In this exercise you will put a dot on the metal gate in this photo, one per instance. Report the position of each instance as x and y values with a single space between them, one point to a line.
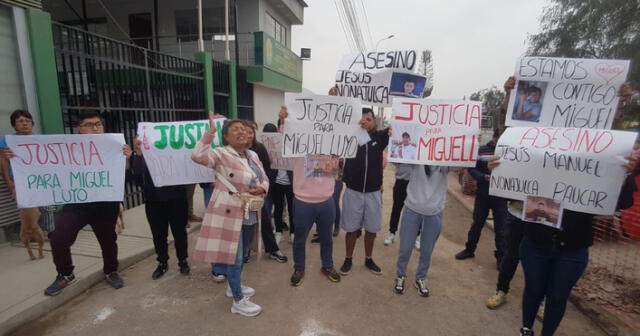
126 84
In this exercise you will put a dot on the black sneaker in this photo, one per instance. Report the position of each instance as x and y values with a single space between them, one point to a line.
184 267
526 332
114 280
399 285
421 286
315 240
371 265
278 256
346 266
464 254
297 277
59 284
331 274
159 272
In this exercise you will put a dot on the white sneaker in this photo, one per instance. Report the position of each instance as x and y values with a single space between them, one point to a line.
416 245
245 307
278 236
390 238
219 278
246 291
291 237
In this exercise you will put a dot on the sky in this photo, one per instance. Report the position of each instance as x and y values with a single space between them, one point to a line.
475 43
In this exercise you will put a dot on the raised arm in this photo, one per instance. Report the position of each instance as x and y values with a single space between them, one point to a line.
202 153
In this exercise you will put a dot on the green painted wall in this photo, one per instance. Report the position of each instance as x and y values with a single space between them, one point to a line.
44 66
233 91
269 78
206 59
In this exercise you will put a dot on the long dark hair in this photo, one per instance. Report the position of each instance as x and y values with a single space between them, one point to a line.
427 170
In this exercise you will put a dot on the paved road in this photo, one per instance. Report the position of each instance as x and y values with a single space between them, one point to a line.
362 304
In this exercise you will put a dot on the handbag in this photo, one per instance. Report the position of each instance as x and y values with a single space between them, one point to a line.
249 202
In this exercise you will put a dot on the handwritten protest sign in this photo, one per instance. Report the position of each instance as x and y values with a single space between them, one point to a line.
273 143
581 168
376 77
61 169
566 92
167 150
321 125
435 132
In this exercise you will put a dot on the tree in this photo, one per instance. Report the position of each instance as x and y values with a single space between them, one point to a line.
491 99
591 29
426 69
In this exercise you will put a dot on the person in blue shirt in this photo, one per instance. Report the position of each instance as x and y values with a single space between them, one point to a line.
529 108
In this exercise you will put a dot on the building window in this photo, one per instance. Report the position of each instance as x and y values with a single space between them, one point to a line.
276 29
212 23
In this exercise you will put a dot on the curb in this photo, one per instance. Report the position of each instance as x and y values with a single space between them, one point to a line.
42 305
606 321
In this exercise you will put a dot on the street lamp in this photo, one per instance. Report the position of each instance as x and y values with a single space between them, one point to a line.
386 38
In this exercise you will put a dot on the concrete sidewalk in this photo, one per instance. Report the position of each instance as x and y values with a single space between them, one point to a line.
23 281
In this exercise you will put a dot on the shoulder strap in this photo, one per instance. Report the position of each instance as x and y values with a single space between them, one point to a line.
226 182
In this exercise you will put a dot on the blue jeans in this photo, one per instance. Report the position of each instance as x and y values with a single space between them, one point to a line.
305 214
412 223
337 191
208 191
234 272
549 273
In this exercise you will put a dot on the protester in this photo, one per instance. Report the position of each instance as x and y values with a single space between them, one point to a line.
281 190
165 207
553 260
230 221
22 123
102 217
312 203
399 195
268 238
423 208
483 203
362 203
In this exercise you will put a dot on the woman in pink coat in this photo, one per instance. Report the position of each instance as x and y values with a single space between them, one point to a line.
227 224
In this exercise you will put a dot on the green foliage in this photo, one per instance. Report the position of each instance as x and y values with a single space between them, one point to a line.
591 29
491 99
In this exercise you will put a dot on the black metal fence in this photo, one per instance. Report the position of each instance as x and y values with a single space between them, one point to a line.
126 84
245 95
221 87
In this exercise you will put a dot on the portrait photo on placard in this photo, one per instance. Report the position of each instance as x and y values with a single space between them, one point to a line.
528 101
321 166
403 145
542 210
406 85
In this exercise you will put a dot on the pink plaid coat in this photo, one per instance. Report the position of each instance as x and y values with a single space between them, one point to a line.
222 224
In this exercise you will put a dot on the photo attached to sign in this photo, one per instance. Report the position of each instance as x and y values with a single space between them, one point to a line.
404 147
321 166
542 210
407 85
566 92
529 100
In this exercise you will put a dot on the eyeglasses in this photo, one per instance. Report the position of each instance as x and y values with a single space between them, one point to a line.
92 125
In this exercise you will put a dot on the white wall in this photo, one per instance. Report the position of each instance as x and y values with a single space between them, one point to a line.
266 105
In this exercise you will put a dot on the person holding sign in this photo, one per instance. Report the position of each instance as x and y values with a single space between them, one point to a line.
483 203
166 207
102 217
313 187
231 218
22 123
362 202
423 208
554 259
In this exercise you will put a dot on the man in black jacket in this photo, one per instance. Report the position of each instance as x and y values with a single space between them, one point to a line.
362 202
484 203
